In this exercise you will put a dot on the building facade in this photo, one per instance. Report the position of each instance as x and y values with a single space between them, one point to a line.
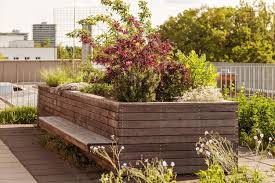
21 44
44 32
6 38
29 53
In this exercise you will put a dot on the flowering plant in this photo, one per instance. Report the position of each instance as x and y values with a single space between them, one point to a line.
145 170
131 47
221 160
202 94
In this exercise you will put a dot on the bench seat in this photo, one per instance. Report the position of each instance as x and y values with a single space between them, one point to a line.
73 133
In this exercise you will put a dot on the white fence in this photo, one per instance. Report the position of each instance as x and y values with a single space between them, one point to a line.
255 78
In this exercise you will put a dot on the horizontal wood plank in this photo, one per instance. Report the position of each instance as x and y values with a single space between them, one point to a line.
179 123
177 116
175 131
166 139
179 107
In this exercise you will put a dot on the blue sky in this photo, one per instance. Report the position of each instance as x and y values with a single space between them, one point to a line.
21 14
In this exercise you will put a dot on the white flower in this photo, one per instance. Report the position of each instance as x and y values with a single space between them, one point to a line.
172 164
259 141
270 154
207 153
106 179
124 165
255 138
91 148
270 139
122 147
262 135
102 147
207 143
202 145
113 136
206 133
95 148
146 160
164 164
201 150
197 148
210 141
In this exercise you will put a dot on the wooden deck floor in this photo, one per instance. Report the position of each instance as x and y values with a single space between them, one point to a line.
11 170
22 158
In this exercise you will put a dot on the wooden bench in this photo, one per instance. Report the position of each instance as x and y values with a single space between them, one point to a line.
73 133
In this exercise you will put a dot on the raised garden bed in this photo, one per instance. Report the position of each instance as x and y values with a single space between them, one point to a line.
165 130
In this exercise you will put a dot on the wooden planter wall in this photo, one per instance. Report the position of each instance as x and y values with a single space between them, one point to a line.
168 131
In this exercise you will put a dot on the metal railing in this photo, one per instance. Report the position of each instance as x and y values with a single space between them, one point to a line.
253 78
18 85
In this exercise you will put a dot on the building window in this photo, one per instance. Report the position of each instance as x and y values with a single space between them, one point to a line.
15 58
27 58
37 58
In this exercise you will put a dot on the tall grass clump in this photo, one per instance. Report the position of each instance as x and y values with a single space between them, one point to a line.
18 115
61 75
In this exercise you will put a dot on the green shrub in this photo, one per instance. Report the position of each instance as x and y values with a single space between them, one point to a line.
256 115
91 74
68 151
214 173
136 86
18 115
102 89
202 73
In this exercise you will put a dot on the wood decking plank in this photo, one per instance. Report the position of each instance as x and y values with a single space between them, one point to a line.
48 167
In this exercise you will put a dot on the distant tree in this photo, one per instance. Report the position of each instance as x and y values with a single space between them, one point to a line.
62 53
37 45
225 34
46 43
2 57
67 52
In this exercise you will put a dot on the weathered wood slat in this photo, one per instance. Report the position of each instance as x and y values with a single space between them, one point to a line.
77 106
159 147
166 139
179 123
71 132
176 116
174 131
79 112
161 155
172 107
